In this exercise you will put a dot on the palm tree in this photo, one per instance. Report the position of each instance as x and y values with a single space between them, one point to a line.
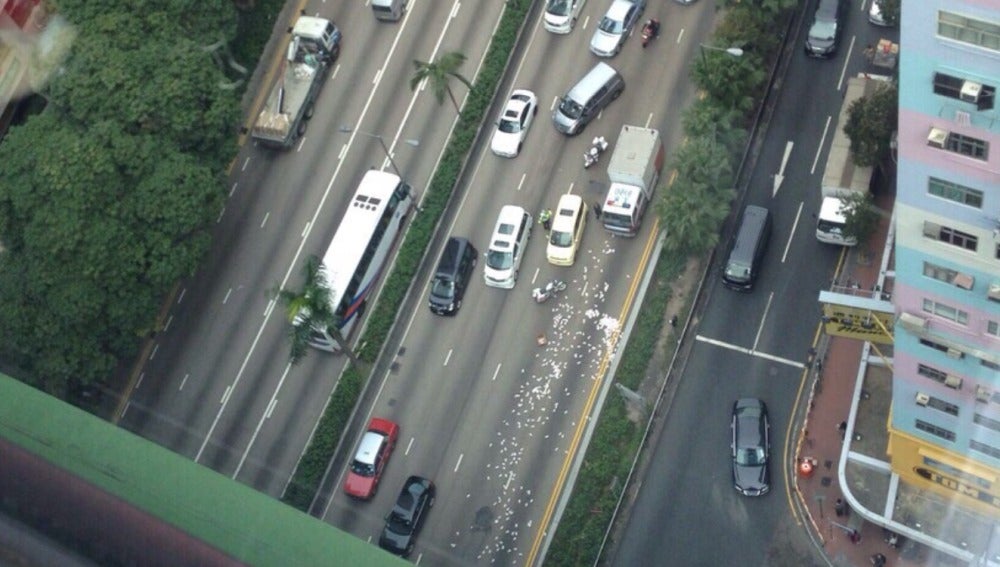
438 72
310 308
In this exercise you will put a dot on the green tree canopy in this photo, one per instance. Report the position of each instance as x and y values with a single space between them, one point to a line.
860 216
438 74
691 212
729 79
871 122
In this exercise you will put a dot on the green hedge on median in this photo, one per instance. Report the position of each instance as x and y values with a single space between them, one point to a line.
312 467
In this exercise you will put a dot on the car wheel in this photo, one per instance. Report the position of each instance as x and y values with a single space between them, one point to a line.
535 112
430 503
458 305
519 144
309 111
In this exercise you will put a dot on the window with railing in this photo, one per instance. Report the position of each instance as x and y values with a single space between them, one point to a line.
951 236
946 311
935 430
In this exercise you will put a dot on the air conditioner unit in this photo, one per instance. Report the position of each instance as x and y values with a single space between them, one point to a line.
912 322
953 382
922 399
994 292
955 353
970 91
983 394
937 138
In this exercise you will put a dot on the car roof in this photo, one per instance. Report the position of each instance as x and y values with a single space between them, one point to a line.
510 215
371 441
566 212
618 9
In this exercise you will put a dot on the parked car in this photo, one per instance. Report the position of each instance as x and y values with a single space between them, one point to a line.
824 33
615 27
515 120
407 516
371 457
876 16
751 447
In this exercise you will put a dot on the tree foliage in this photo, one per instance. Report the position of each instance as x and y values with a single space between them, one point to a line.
890 11
729 79
108 196
768 8
438 74
871 121
860 216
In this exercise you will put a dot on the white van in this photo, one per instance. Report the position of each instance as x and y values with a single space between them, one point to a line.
507 246
561 15
567 230
389 10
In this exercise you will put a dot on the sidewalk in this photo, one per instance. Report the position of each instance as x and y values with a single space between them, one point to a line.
822 437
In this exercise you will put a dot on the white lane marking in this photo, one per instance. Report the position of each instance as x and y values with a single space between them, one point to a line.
343 151
125 411
583 293
225 395
680 36
649 120
139 383
260 423
153 354
521 183
454 9
269 308
843 71
791 235
510 477
819 149
378 77
534 277
221 213
246 162
305 230
496 372
459 463
233 189
167 326
763 319
780 176
181 298
302 143
570 190
266 216
763 355
555 101
226 298
585 22
336 70
184 381
409 446
447 358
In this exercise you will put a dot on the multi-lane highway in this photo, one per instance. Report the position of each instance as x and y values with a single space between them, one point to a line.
485 412
217 386
752 346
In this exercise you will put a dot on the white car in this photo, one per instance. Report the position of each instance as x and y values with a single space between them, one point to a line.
507 247
516 118
615 26
875 14
561 15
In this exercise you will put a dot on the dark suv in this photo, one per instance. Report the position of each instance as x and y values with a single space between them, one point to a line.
452 276
404 521
824 33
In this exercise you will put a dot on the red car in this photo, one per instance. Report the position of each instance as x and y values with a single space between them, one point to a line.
371 457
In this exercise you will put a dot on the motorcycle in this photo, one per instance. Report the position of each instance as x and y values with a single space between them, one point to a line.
599 145
650 31
542 294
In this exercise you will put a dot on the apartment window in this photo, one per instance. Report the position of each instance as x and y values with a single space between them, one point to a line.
987 422
991 365
941 405
946 311
932 373
939 273
935 430
985 449
951 87
967 146
950 236
955 192
993 328
969 30
934 345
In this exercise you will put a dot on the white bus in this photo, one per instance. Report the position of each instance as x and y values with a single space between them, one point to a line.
360 249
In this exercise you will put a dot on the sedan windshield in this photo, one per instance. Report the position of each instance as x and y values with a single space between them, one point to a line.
561 239
612 26
363 469
823 29
750 456
445 289
397 523
499 260
558 7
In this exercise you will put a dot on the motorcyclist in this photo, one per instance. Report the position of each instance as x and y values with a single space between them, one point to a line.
652 27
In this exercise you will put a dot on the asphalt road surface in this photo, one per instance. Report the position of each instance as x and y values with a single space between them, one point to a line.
490 416
217 386
751 345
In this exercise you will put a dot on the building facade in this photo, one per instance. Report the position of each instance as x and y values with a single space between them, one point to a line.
945 422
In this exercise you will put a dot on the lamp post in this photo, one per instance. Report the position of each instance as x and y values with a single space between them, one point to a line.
733 51
381 141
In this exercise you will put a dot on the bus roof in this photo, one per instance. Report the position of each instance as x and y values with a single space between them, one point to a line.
355 231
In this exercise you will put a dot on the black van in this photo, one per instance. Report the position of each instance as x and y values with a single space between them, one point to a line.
452 276
747 251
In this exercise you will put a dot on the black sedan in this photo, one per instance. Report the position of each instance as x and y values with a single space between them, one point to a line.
403 523
751 447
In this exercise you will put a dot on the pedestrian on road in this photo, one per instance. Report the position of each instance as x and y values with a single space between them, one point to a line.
673 321
839 507
597 210
842 429
855 537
